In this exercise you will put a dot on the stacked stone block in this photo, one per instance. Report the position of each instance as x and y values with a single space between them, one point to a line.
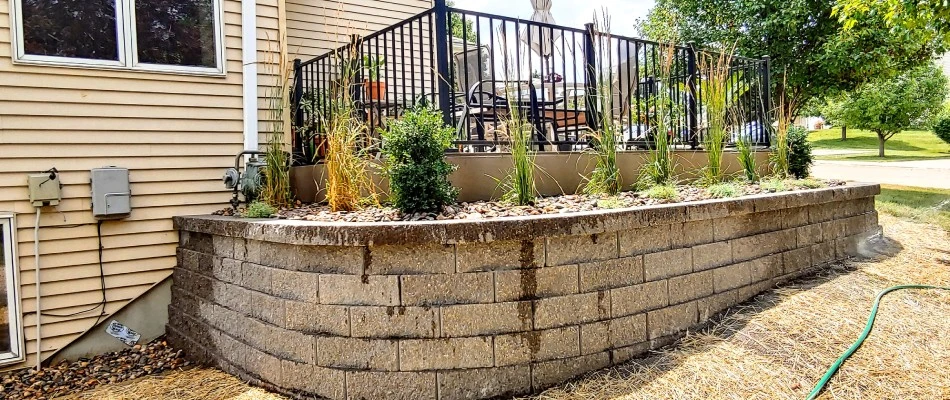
474 310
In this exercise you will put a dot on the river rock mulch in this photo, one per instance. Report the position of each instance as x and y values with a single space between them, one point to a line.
73 377
543 205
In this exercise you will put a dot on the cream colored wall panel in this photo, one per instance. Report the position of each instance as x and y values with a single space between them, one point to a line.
72 245
93 284
77 96
78 300
126 228
128 137
176 133
92 270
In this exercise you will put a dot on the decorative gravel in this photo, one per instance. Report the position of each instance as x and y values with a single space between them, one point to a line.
497 209
73 377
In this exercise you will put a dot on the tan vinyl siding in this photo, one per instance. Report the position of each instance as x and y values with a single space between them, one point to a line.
316 26
176 134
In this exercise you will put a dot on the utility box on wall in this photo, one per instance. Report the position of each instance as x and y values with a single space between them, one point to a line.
111 196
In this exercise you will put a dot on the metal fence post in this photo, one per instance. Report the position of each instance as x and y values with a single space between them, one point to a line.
691 80
590 78
297 112
355 65
766 100
442 51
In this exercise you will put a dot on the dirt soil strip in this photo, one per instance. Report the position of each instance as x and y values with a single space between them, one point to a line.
775 347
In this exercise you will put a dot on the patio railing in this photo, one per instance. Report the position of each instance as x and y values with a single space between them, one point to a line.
478 69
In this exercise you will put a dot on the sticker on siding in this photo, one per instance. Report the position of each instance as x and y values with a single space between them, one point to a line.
123 333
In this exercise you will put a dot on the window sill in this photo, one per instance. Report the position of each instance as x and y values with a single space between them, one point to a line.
105 66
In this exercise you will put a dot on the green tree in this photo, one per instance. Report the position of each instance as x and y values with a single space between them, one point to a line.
461 28
811 54
887 106
932 17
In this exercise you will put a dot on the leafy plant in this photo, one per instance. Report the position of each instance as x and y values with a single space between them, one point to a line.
348 185
784 119
610 203
773 185
275 188
414 147
659 166
715 69
372 64
810 183
259 209
746 157
606 177
662 192
942 129
799 153
519 184
723 190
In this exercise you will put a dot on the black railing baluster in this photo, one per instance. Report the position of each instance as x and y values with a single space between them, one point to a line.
443 48
691 72
633 70
590 78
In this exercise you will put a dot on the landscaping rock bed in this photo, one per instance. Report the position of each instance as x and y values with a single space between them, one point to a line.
73 377
543 205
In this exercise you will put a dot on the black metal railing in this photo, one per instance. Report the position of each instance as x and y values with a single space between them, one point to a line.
480 69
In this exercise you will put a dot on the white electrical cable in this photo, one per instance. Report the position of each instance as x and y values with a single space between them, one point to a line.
36 266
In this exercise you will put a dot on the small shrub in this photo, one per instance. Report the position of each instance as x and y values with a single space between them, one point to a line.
259 209
723 190
610 203
942 129
414 147
810 183
799 153
774 185
662 192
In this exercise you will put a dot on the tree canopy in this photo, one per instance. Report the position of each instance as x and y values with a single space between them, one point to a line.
812 55
913 15
887 106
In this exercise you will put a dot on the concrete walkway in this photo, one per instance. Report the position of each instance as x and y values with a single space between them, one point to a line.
923 173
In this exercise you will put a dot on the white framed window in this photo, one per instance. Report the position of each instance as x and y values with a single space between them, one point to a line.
11 321
175 36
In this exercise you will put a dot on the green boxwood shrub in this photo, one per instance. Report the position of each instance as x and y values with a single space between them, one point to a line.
414 149
942 129
799 152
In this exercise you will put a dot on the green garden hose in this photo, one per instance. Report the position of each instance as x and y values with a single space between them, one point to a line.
864 335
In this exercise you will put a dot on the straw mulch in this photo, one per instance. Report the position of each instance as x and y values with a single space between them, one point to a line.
778 346
189 384
773 348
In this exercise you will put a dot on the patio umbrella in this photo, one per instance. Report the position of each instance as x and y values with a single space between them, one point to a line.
541 39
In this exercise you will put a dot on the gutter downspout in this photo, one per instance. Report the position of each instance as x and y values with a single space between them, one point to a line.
249 71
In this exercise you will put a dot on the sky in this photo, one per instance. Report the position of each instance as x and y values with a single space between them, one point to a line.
572 13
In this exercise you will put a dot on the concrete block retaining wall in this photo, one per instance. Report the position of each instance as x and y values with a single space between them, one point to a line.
479 309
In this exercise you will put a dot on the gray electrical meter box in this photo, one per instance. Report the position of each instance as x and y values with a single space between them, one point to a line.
111 196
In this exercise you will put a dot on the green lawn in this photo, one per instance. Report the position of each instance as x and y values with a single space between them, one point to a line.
907 145
918 204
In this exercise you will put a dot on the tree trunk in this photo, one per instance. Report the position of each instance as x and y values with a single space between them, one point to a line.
844 132
880 144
